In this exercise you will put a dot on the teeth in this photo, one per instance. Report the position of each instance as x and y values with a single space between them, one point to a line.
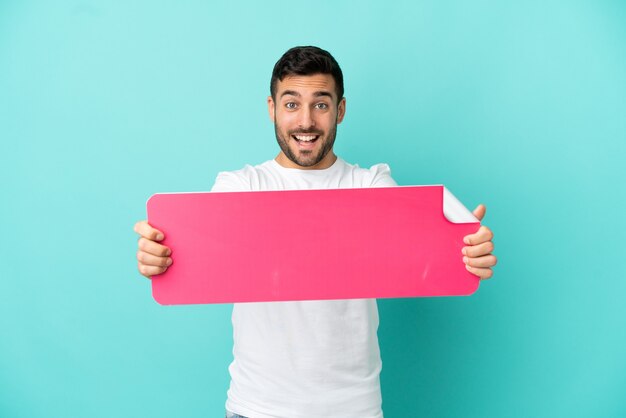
305 138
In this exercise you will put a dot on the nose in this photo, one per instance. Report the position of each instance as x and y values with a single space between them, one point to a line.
306 120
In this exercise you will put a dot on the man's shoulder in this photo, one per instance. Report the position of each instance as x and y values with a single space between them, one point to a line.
378 175
249 169
241 179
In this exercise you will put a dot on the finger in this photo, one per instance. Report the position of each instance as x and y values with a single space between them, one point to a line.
144 229
484 234
154 248
482 262
480 211
482 273
149 271
478 250
152 260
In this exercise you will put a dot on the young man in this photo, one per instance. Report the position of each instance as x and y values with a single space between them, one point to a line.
309 358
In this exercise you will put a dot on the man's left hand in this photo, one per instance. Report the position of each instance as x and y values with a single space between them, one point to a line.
479 246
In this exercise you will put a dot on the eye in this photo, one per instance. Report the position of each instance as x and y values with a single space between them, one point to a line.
322 106
290 105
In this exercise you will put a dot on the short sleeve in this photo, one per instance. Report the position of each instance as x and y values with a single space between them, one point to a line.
381 176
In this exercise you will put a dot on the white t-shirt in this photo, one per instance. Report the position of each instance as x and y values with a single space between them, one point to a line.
308 359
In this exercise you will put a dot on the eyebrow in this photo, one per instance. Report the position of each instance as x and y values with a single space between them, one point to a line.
321 93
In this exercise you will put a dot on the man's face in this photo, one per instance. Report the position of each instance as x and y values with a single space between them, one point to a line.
305 115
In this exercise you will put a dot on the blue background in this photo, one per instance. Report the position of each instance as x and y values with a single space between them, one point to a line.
520 105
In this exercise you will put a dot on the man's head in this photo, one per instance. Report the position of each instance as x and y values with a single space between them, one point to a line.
306 60
306 104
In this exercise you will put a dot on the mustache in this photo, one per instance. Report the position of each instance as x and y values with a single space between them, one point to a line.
306 132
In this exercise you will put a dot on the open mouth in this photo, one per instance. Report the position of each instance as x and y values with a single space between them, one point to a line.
305 139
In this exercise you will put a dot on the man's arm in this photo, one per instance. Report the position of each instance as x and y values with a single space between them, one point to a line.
477 253
152 257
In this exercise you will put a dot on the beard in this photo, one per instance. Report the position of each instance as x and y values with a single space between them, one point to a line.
306 158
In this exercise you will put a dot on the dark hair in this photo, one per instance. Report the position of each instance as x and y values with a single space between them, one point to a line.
307 60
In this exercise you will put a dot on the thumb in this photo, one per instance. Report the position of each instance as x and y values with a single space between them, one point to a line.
480 211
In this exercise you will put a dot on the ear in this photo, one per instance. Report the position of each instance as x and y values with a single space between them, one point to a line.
341 110
271 108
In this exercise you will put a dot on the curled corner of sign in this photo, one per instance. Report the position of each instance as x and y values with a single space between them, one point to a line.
455 211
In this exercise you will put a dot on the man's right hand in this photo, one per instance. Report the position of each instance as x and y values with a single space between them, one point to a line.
153 258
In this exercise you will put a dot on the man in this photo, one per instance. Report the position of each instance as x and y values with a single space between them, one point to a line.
308 358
